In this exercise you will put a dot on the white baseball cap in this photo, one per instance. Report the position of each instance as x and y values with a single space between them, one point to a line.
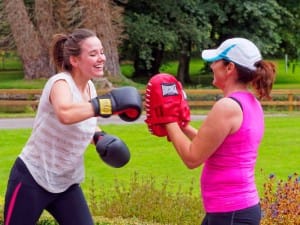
238 50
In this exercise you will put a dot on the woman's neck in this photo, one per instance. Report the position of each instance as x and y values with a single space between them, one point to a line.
234 88
80 81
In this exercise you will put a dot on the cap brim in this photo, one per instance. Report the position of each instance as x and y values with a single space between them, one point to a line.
211 55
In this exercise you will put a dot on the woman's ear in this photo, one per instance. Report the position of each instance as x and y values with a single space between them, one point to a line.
230 68
73 61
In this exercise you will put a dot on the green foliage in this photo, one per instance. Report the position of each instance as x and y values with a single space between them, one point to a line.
145 33
168 29
47 222
289 30
143 199
250 19
143 202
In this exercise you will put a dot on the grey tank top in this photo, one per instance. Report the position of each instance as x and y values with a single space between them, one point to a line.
54 152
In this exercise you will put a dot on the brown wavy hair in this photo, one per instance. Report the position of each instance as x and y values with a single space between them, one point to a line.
261 80
65 45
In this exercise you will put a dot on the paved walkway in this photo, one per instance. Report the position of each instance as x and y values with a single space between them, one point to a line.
16 123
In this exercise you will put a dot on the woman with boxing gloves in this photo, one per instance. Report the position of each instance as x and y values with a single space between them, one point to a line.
48 171
227 142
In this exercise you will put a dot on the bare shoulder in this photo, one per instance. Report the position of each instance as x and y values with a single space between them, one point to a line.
60 83
60 86
60 91
226 105
228 113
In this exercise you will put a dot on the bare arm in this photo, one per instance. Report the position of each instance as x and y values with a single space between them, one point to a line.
67 111
189 131
224 119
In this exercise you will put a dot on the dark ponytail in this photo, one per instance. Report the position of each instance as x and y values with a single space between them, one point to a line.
263 79
57 52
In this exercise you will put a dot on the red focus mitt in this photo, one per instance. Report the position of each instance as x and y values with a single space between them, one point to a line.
165 102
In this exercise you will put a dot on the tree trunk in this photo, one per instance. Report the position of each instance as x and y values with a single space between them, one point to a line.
100 16
29 44
45 21
183 74
157 55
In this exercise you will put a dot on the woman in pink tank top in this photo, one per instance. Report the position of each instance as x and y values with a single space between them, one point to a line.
228 140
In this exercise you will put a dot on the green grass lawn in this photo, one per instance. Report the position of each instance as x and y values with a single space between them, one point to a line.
155 157
13 77
152 156
287 78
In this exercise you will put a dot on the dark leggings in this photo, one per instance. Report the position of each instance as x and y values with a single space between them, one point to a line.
25 201
248 216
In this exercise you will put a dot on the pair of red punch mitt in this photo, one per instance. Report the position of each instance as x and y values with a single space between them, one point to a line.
165 102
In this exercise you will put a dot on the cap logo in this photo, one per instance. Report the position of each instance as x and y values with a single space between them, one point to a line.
169 89
225 52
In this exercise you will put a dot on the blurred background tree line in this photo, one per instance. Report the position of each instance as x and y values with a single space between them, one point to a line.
148 32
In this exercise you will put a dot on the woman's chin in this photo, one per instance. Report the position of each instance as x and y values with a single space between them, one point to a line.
98 76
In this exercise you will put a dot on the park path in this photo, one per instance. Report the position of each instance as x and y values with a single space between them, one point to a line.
18 123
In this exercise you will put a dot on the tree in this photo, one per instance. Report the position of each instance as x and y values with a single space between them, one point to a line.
290 31
254 19
33 27
192 28
28 41
5 34
105 18
154 27
147 37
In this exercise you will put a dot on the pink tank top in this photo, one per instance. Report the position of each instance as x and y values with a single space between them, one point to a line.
227 181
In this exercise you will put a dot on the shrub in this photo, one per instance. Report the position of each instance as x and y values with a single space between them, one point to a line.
142 199
143 202
281 201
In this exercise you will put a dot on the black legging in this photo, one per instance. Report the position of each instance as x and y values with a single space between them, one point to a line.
248 216
25 201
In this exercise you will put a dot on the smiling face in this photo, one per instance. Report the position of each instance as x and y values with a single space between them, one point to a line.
90 63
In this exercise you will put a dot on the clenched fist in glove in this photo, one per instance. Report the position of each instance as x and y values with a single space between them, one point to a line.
111 149
165 102
124 101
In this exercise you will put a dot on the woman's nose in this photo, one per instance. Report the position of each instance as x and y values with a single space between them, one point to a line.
102 57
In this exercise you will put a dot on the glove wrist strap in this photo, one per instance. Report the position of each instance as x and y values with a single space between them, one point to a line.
96 106
98 135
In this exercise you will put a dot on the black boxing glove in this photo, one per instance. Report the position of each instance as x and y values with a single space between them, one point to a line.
125 102
111 149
